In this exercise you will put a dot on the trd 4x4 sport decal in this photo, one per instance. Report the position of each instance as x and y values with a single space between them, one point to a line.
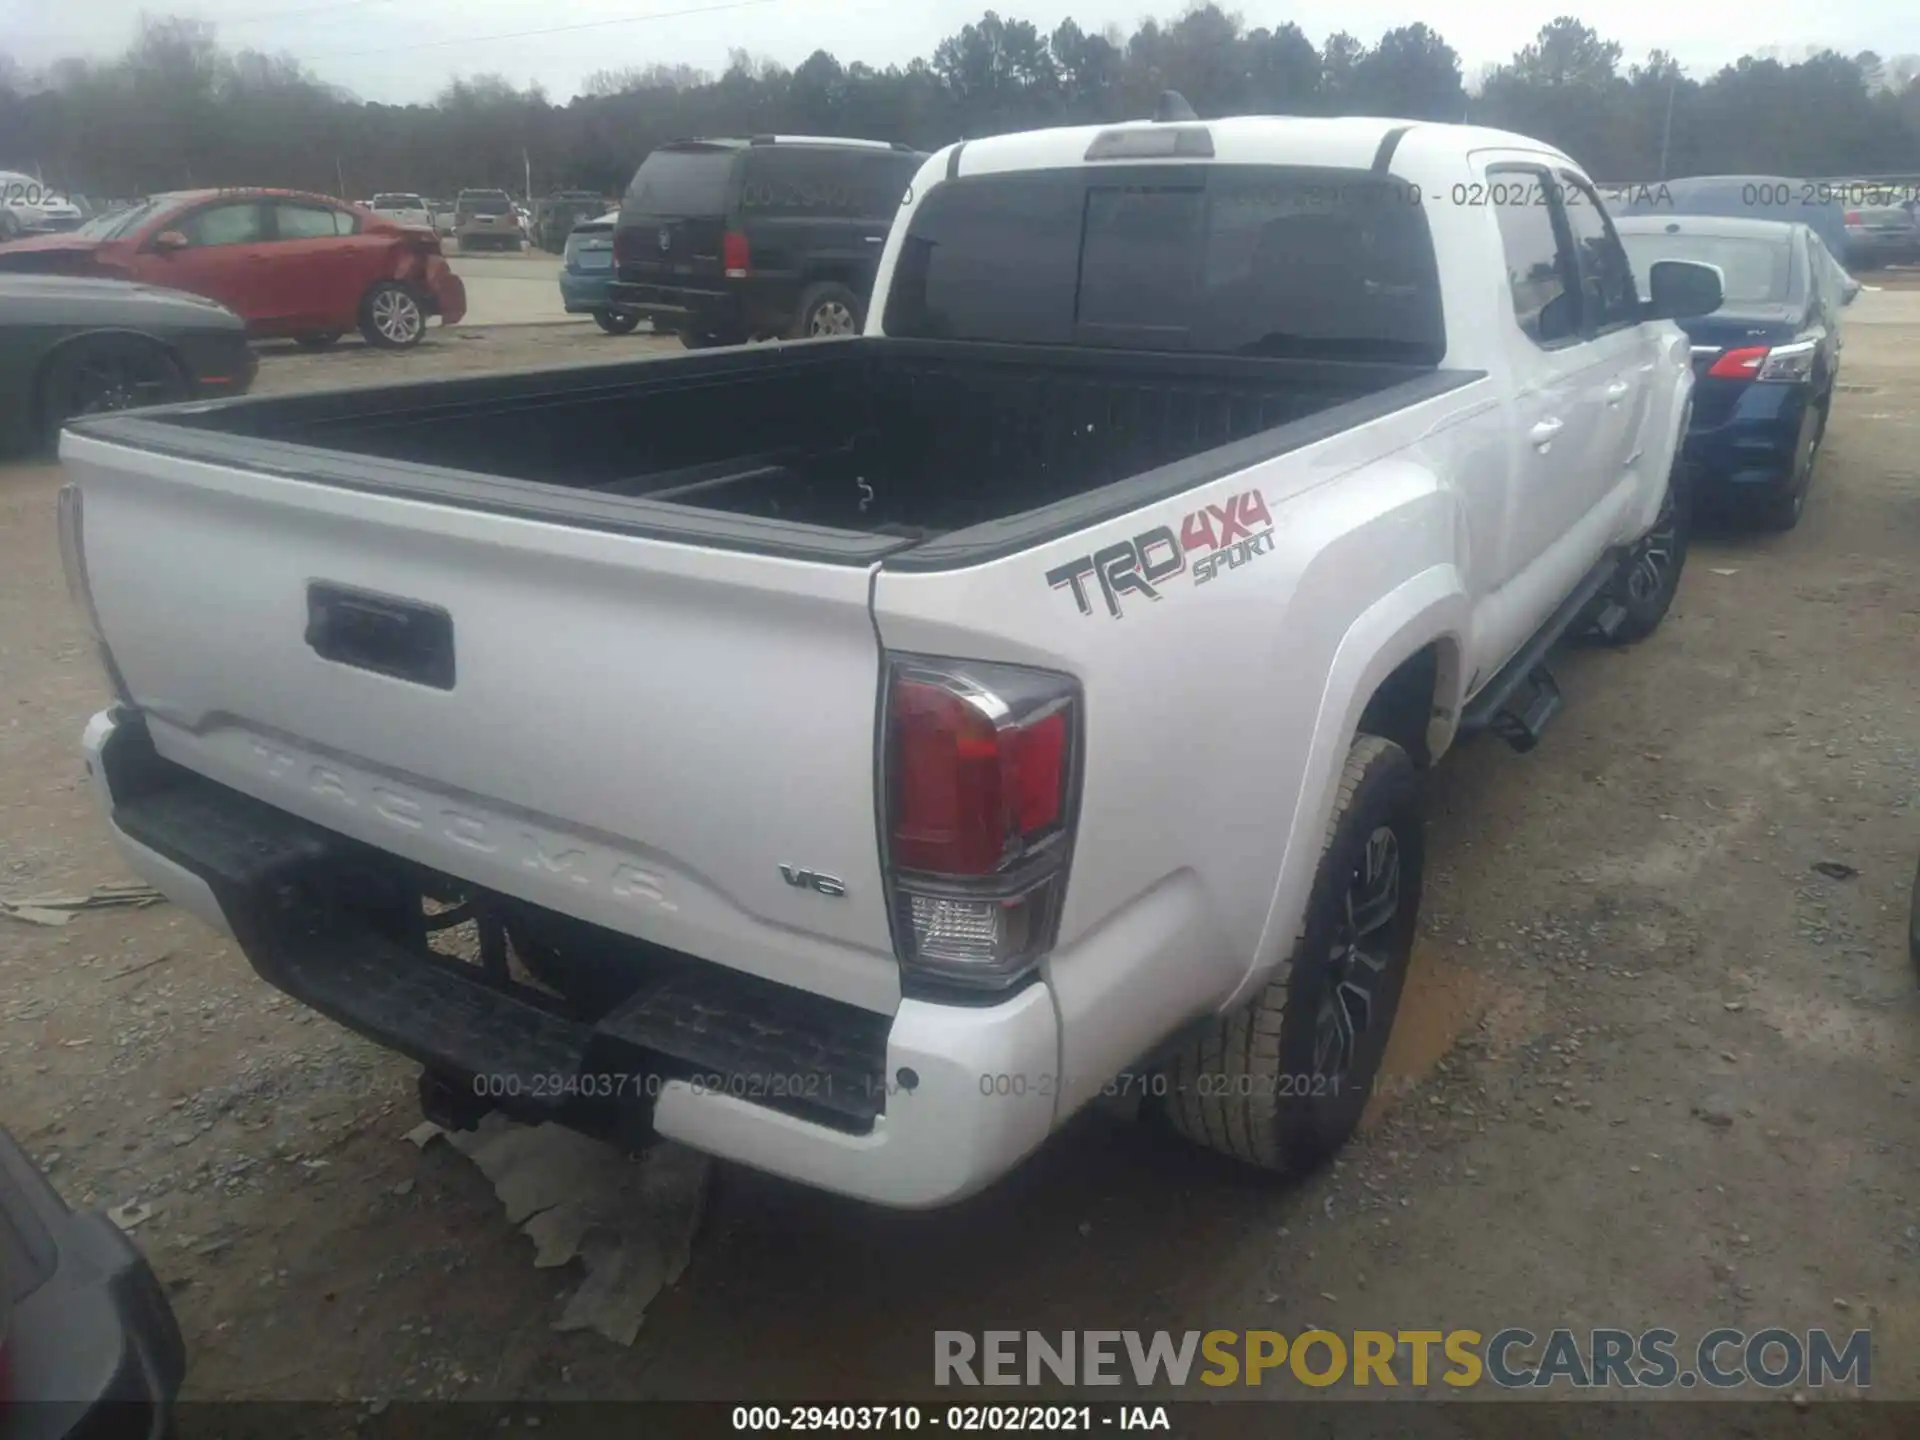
1211 542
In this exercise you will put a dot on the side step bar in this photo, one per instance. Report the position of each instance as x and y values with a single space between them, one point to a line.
1519 701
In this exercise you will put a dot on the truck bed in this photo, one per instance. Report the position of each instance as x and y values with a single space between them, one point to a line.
893 441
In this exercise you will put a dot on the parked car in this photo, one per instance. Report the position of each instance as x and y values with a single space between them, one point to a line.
586 273
485 220
1819 205
723 241
89 1345
71 347
29 208
402 209
1879 235
287 262
1766 360
1190 491
555 217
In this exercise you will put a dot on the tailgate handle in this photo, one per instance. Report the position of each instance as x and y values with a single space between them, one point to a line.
388 635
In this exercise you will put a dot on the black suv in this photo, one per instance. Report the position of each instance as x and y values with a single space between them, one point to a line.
724 241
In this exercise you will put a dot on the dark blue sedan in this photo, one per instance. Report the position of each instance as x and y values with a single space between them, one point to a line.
1764 363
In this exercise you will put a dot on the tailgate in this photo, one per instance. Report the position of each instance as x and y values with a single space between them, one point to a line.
655 737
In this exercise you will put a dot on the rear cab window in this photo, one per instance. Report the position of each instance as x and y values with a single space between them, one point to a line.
1218 259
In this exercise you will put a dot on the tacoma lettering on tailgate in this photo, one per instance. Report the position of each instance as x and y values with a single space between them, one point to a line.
1212 541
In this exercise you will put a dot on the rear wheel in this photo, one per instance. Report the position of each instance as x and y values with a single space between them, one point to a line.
1783 509
827 309
616 322
1282 1083
392 317
107 373
1650 578
10 228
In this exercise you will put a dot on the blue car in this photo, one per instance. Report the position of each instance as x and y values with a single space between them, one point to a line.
587 271
1764 363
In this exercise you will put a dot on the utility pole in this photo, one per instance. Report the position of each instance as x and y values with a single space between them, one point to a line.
1666 130
340 177
526 161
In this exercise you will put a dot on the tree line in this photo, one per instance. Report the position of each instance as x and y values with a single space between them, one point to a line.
178 110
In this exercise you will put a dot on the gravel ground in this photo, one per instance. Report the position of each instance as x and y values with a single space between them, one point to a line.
1653 1067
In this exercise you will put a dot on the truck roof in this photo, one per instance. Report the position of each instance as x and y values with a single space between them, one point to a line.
1346 143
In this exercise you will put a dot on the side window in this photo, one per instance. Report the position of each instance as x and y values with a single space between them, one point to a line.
1608 299
1538 266
237 224
309 222
793 181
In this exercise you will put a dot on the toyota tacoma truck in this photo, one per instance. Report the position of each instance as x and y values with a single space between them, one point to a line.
852 757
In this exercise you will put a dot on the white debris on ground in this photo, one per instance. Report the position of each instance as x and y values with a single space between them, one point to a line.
630 1220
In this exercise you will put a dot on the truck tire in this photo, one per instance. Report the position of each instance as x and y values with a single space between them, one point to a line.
1281 1083
1650 578
101 374
616 322
828 308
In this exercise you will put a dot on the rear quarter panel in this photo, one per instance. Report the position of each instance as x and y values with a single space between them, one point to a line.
1218 713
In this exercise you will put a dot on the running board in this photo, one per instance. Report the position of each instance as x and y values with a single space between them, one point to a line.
1519 701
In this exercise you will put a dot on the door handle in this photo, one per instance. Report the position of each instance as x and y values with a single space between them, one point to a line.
876 239
1543 433
1617 391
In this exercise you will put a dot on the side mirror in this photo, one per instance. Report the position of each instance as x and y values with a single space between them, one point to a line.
1850 291
169 240
1679 289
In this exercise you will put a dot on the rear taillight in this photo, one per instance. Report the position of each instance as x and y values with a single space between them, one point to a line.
1852 217
73 561
1741 364
1783 363
622 245
734 255
981 764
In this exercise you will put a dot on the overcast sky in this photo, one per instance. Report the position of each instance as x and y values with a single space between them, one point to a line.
400 50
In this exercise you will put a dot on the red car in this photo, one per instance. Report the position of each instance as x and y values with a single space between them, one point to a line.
289 264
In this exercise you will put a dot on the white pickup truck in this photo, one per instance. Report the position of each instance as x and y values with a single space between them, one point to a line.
852 757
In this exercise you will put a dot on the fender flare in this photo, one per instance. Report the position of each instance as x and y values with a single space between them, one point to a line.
43 366
1679 417
1431 608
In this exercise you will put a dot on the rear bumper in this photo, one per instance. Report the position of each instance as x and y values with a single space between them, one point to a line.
447 292
507 237
909 1110
96 1348
585 291
682 309
1753 448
